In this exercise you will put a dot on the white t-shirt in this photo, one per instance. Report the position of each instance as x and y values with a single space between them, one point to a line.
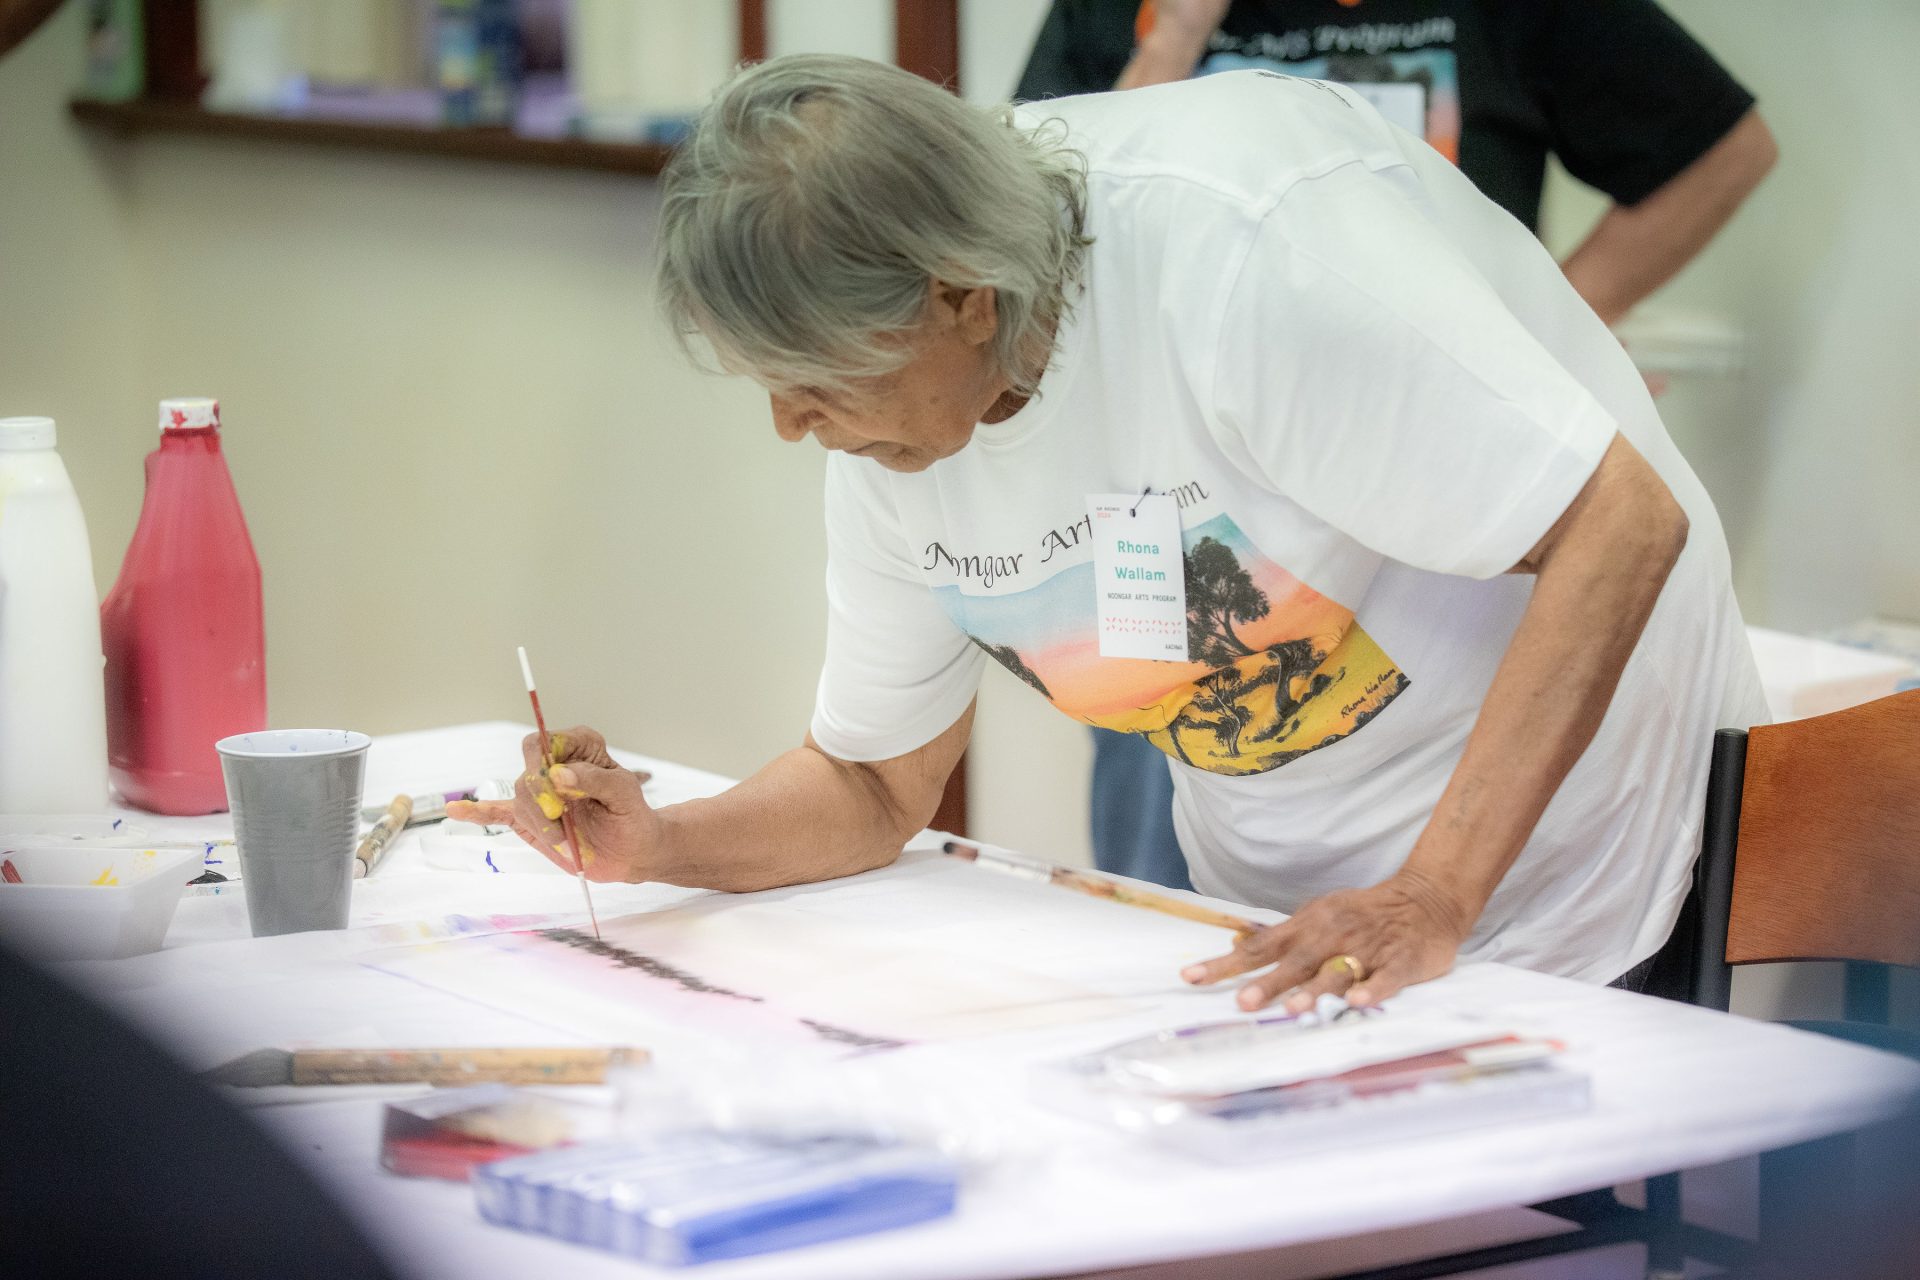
1370 392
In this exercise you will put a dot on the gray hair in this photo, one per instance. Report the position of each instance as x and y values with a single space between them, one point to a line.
803 219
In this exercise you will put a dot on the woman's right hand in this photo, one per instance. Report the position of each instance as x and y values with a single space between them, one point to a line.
620 834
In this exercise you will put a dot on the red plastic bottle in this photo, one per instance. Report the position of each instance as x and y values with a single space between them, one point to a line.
182 628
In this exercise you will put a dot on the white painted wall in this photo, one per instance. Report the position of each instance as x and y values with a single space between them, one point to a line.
69 335
862 28
995 38
454 420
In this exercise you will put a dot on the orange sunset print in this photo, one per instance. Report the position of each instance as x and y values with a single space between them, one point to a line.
1276 669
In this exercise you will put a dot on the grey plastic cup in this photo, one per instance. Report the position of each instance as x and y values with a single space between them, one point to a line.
295 796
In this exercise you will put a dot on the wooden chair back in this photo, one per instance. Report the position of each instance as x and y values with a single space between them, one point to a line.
1827 862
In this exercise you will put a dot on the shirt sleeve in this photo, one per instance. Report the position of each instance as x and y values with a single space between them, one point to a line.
1369 373
898 672
1631 98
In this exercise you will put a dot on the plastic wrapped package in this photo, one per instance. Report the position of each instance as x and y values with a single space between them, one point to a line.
675 1199
1288 1086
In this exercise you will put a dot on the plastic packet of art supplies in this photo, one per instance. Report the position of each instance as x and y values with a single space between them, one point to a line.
700 1195
1214 1058
1295 1120
1323 1086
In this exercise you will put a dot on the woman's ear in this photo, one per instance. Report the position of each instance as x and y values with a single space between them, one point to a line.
973 313
977 315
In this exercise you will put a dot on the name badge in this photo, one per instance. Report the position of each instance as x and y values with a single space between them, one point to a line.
1139 574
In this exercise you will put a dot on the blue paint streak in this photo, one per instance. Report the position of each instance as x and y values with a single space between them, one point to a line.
496 870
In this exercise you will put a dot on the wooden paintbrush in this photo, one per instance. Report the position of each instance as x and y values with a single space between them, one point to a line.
266 1067
367 856
1100 887
566 818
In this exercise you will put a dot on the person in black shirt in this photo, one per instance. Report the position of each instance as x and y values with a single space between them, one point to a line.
1630 103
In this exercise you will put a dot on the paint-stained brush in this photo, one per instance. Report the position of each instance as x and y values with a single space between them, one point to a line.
1100 887
367 856
566 818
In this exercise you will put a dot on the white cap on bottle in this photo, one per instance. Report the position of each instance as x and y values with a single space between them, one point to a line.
22 434
187 413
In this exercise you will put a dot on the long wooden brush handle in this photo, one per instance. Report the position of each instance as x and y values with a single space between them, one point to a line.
459 1066
1101 887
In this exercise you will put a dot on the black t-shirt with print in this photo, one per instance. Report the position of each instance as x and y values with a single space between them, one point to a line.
1615 88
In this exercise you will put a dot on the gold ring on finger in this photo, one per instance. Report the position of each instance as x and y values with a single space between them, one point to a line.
1355 971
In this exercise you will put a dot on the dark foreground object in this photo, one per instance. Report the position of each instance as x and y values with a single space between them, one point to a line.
114 1161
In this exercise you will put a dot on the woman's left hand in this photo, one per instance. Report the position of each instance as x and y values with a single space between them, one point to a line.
1401 931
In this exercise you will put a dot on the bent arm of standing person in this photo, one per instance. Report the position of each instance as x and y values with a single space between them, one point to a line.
1637 107
1172 46
1598 572
809 816
805 816
1634 249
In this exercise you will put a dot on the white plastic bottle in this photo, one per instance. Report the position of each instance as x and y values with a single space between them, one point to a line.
53 720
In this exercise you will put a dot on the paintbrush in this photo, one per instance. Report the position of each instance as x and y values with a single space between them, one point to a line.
566 818
266 1067
1100 887
377 840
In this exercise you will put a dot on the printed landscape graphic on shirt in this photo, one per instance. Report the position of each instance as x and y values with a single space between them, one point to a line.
1277 670
1417 89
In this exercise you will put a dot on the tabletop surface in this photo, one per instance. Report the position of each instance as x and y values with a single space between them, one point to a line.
1673 1086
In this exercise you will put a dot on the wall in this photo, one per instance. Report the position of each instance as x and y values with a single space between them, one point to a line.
995 38
1812 455
860 28
453 417
69 339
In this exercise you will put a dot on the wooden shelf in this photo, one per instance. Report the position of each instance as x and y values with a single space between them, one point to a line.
132 119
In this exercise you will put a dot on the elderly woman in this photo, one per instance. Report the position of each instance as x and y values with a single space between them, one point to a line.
1225 414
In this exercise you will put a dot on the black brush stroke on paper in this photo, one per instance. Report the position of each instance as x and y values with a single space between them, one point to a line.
693 982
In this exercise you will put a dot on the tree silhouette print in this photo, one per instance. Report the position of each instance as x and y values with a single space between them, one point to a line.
1219 594
1225 714
1291 658
1009 657
1223 705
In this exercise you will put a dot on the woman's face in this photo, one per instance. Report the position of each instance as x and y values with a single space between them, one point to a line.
922 412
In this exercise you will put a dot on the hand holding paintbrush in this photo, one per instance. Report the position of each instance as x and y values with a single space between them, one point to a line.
602 801
572 845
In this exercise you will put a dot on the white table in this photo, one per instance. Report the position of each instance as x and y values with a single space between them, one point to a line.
1064 1196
